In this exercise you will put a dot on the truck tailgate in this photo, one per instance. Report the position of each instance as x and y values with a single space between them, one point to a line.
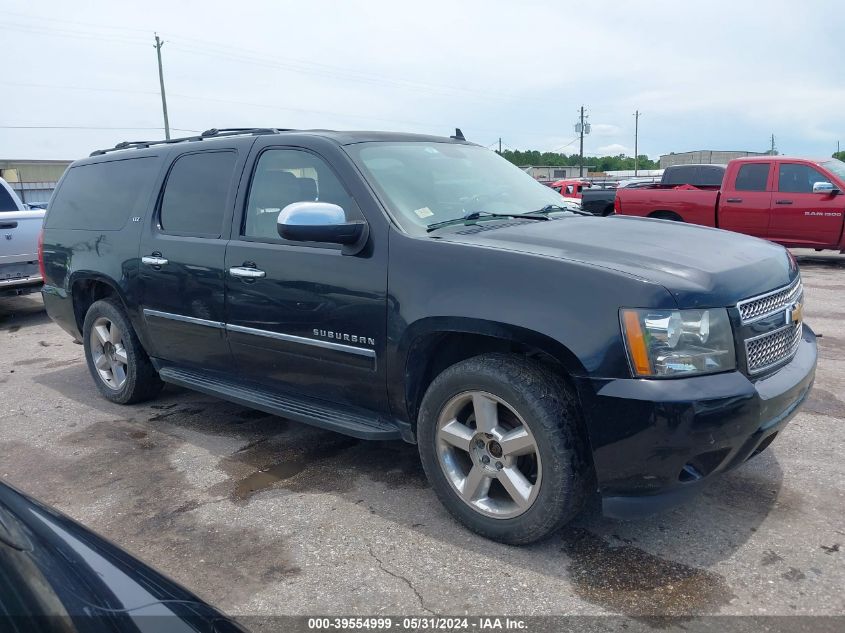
19 236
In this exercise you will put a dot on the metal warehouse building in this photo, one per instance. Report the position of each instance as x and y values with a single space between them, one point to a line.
554 172
33 180
704 157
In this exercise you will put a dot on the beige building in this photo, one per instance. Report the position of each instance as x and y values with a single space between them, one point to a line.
704 157
33 180
546 172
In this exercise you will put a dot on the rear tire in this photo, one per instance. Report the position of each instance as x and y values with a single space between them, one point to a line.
525 421
117 361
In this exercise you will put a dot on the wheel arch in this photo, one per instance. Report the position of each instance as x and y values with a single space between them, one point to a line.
433 344
665 214
86 287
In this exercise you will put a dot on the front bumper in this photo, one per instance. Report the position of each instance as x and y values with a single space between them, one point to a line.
656 442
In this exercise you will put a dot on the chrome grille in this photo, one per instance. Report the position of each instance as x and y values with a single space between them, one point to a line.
772 348
769 303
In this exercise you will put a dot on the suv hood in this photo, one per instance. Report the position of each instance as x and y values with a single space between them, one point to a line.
699 266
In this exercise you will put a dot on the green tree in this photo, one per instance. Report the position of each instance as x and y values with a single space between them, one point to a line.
839 155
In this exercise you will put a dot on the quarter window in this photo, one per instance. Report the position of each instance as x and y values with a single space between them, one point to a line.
794 178
194 200
752 177
285 176
102 196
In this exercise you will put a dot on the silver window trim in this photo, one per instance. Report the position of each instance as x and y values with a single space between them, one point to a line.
340 347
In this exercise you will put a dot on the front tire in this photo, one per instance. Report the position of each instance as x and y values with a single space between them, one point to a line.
117 361
502 445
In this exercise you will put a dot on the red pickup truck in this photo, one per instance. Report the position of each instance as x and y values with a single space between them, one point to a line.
793 201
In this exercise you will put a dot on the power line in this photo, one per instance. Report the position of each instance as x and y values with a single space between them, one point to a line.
85 127
248 56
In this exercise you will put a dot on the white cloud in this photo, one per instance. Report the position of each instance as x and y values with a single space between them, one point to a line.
614 149
387 65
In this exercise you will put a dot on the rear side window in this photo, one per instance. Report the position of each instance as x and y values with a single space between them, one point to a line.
681 175
752 177
196 192
711 175
102 196
6 201
794 178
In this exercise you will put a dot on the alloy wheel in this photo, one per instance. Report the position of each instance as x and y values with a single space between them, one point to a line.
488 454
109 353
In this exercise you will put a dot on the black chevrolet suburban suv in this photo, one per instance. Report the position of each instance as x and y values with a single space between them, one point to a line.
404 286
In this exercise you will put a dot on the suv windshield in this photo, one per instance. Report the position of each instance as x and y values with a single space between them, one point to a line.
423 183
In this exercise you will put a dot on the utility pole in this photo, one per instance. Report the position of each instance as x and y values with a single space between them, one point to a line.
773 151
158 46
500 146
636 138
581 153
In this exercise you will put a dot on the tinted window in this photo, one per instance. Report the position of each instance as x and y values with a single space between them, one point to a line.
102 196
799 178
711 175
680 175
7 203
285 176
194 200
752 177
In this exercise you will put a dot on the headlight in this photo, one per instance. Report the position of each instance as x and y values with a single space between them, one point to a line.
678 342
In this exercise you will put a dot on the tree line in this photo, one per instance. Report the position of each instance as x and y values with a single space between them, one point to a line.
596 163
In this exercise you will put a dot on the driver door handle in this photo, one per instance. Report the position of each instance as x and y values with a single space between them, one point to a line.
246 272
734 200
783 201
153 260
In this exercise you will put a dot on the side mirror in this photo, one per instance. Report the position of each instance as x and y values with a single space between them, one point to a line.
322 222
825 187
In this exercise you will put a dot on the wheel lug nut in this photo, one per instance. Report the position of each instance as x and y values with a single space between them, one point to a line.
499 466
479 443
485 459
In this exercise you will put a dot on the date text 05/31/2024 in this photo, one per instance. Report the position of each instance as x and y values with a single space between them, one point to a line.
417 623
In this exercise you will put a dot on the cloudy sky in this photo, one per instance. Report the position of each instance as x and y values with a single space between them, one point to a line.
705 75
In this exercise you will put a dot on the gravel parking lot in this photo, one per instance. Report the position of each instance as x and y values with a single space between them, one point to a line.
264 516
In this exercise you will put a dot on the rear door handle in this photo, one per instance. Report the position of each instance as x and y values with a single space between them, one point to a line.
734 200
153 260
9 225
247 272
783 201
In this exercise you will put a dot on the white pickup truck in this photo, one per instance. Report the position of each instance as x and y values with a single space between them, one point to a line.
19 231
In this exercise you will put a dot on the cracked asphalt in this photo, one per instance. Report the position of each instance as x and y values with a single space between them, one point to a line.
262 516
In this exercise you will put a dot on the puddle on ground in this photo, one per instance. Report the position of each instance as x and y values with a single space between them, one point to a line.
630 581
824 402
267 476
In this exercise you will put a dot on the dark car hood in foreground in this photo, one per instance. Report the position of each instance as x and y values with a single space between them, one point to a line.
56 574
698 265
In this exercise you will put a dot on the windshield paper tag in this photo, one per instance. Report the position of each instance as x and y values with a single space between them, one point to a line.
424 212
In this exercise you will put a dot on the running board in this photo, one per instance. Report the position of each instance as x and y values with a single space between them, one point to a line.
356 423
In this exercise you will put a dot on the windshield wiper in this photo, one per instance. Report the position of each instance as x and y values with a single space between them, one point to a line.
482 215
550 208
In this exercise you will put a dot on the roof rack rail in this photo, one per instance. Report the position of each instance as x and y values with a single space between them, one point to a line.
206 135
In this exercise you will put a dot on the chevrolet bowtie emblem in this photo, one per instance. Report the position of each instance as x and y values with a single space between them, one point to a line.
795 314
